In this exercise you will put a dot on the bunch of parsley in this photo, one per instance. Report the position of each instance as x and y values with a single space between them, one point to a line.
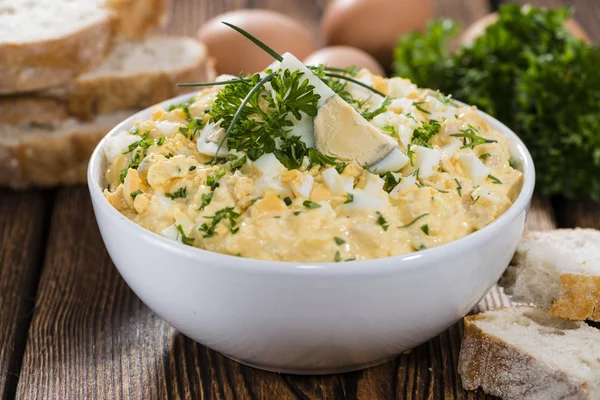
529 72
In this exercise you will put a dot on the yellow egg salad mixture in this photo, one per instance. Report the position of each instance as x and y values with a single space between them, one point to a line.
319 165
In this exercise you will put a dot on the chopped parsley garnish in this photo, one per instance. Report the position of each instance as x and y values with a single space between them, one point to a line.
390 181
239 163
316 157
477 198
311 204
296 213
424 133
169 155
123 175
160 141
185 107
470 138
226 213
255 122
287 201
512 163
441 190
417 105
382 221
337 257
350 198
389 129
458 187
339 241
184 239
291 152
180 193
136 193
414 220
495 180
369 115
193 167
425 229
485 156
206 198
211 180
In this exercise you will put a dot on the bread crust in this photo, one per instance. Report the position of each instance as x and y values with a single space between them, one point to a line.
510 373
579 298
26 109
26 67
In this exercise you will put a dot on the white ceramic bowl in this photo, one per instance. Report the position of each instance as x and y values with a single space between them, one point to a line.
308 318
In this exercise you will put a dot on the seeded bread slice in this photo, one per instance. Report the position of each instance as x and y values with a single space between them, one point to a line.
136 74
559 271
46 43
522 353
52 154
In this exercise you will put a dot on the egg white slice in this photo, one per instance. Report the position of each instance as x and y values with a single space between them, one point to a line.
210 138
118 144
473 166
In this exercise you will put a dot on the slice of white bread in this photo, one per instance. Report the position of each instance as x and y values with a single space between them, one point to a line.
139 74
45 43
51 154
522 353
559 271
136 74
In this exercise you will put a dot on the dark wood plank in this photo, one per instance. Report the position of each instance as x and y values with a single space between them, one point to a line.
22 232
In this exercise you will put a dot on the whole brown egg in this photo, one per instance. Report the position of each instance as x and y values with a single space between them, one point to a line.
374 25
343 57
233 53
478 27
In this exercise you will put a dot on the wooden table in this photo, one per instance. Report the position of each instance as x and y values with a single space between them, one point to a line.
70 328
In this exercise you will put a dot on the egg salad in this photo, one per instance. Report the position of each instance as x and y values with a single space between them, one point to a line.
311 164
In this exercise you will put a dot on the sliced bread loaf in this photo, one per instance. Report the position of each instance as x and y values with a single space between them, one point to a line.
45 43
559 271
48 42
51 154
522 353
136 74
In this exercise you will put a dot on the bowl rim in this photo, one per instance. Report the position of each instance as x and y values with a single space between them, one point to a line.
246 264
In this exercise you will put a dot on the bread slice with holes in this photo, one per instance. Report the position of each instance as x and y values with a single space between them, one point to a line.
559 271
46 43
136 74
51 154
523 353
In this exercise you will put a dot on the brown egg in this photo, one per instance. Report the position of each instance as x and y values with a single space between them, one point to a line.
374 25
476 29
233 53
342 57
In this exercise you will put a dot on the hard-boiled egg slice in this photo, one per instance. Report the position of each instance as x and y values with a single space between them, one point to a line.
337 184
449 149
400 87
361 201
474 168
406 182
306 187
483 192
166 128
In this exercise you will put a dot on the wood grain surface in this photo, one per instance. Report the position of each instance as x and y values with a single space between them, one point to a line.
91 337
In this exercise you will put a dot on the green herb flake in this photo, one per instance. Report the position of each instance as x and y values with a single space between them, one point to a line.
417 105
170 155
228 214
458 187
239 163
414 220
296 213
136 193
134 130
337 257
485 156
206 198
350 198
382 221
339 241
123 175
495 180
184 239
390 181
369 115
425 229
287 201
311 204
192 167
180 193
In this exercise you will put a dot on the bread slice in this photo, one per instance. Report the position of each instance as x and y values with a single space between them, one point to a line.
136 74
46 43
49 42
139 74
51 154
559 271
522 353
